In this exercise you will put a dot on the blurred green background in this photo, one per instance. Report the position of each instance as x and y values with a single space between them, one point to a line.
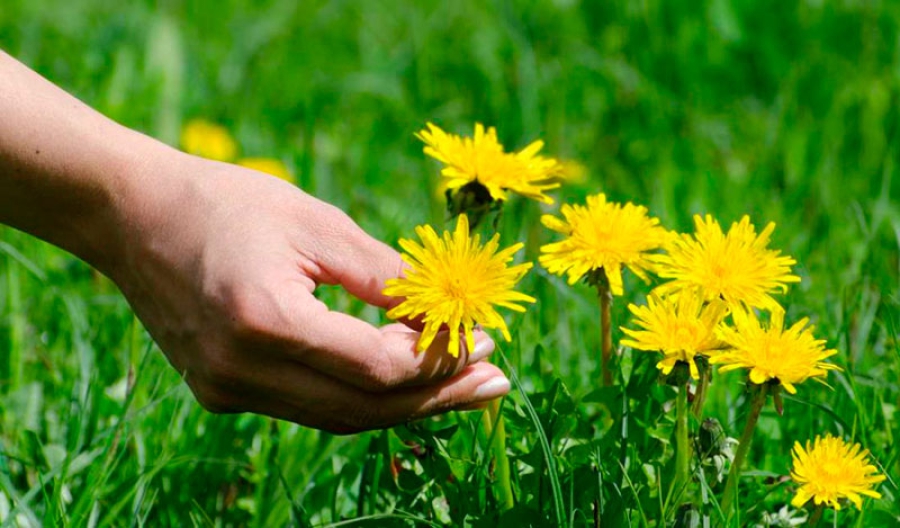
786 111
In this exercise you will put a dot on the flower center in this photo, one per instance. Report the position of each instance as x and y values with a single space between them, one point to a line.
684 336
831 469
457 288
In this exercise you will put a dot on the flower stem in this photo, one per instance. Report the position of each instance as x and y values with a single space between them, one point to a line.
757 401
606 345
816 516
682 443
492 420
702 387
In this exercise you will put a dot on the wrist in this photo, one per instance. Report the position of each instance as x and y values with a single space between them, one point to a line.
131 181
145 208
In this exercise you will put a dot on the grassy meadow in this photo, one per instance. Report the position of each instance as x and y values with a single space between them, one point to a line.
785 111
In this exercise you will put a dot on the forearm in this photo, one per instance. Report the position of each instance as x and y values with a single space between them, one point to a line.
65 170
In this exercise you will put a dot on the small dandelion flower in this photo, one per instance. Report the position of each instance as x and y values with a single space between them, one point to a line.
269 166
830 470
772 353
681 328
208 140
736 267
603 235
455 281
483 160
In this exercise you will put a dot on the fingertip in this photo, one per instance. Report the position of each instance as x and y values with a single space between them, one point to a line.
492 389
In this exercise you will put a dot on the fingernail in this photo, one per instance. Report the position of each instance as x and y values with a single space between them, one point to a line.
482 350
492 388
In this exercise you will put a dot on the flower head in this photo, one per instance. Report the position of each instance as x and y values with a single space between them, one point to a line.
269 166
736 267
208 140
680 328
602 235
482 159
455 281
772 353
830 470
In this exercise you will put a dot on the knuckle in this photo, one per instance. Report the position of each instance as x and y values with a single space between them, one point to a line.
337 217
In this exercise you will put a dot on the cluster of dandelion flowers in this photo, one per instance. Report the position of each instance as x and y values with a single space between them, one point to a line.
455 281
483 160
603 235
680 328
737 267
830 470
772 353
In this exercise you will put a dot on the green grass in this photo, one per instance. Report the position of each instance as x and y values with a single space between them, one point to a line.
786 111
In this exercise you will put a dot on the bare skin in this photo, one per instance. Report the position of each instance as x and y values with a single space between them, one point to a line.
220 264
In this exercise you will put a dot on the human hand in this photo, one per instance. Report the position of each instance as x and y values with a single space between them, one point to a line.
220 264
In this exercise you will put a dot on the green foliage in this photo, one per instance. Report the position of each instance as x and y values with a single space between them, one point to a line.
787 111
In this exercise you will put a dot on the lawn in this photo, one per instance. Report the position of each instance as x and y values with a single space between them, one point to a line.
788 112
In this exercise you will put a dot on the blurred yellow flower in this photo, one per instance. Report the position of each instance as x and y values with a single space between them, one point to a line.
455 281
602 235
572 171
482 159
208 140
831 470
737 267
269 166
771 353
680 328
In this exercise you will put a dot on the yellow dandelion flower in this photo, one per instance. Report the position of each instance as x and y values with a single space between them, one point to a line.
482 159
602 235
455 281
681 328
208 140
269 166
830 470
772 353
737 267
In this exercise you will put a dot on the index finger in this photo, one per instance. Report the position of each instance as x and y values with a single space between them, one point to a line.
374 359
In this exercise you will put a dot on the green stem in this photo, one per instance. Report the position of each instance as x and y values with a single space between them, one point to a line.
702 387
606 345
816 516
758 400
492 420
682 443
